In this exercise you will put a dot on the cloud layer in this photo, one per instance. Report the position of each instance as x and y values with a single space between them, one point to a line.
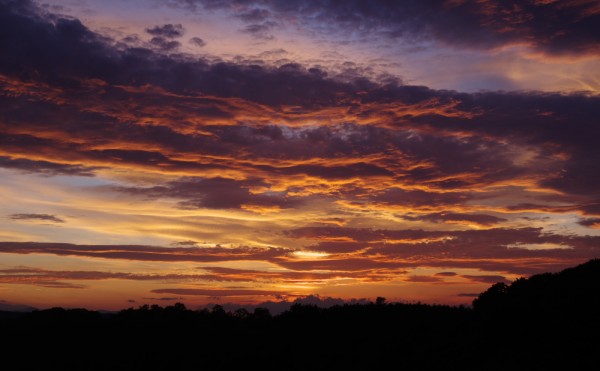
288 177
552 27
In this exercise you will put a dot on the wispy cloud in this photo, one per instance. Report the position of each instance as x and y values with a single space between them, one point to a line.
40 217
217 293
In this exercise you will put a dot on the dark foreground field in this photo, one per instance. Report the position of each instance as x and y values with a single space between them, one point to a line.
546 322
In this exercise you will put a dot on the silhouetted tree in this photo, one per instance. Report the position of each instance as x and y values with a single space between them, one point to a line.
241 313
261 313
179 307
218 311
547 321
491 299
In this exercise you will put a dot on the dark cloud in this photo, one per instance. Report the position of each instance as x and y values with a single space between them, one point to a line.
197 42
166 298
260 30
424 279
216 193
590 222
498 249
218 292
46 167
463 146
334 172
495 243
59 50
553 27
169 31
382 255
481 219
399 196
165 44
57 285
361 264
42 217
254 15
145 253
292 85
56 278
446 274
185 243
486 278
296 276
53 46
362 234
591 207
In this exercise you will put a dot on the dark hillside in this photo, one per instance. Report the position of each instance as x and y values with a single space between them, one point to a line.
572 291
547 321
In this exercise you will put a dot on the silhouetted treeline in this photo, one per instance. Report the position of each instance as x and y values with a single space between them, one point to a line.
546 322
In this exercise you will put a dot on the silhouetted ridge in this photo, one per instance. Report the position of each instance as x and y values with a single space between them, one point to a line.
545 322
573 291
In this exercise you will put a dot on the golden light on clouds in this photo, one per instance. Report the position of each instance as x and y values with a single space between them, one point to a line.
285 162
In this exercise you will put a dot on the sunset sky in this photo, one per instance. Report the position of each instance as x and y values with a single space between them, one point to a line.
204 151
